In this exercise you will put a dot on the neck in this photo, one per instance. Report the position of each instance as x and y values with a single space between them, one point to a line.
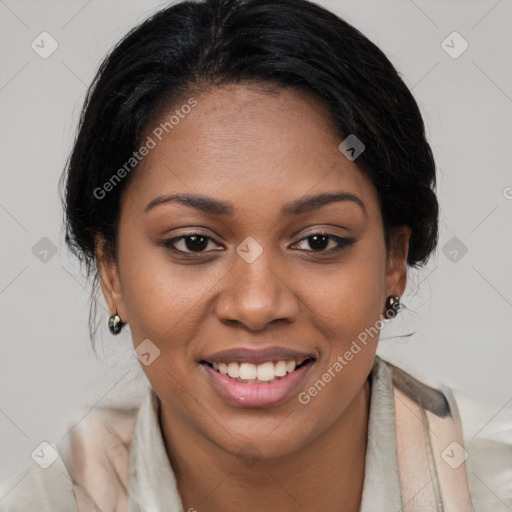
327 474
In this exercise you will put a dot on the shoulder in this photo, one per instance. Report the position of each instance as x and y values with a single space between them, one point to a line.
89 464
40 487
96 453
486 435
487 431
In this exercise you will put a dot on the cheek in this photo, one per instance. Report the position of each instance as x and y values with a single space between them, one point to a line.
160 298
346 314
163 304
351 295
347 305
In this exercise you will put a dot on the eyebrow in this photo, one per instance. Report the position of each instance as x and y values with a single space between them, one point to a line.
216 207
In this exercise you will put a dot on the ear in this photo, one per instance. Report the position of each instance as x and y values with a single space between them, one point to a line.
396 272
110 282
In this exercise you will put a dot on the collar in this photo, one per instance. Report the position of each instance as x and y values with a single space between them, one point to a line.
381 485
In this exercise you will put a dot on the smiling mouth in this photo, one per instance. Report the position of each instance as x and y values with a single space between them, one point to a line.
267 372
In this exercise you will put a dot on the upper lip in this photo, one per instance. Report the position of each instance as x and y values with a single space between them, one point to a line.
259 356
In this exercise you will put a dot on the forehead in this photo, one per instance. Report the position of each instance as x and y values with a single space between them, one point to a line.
246 145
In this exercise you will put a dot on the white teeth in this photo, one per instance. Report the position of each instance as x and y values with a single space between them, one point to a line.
264 372
247 371
280 368
234 370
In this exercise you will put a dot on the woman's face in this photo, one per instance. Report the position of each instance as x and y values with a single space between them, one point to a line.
252 275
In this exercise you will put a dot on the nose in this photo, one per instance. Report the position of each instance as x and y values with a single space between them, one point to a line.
257 294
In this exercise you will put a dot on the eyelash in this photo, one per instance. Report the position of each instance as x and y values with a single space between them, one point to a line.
342 243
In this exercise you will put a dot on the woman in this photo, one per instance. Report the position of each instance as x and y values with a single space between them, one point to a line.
249 183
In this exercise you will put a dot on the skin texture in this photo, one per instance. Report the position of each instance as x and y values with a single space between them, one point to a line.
257 151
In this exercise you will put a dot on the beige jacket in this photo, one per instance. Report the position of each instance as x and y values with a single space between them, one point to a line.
420 457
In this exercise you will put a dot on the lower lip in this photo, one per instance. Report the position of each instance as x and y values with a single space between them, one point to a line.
257 395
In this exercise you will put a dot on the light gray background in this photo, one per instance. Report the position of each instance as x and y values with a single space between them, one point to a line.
461 311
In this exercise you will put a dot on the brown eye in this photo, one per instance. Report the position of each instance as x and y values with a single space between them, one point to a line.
319 242
195 242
